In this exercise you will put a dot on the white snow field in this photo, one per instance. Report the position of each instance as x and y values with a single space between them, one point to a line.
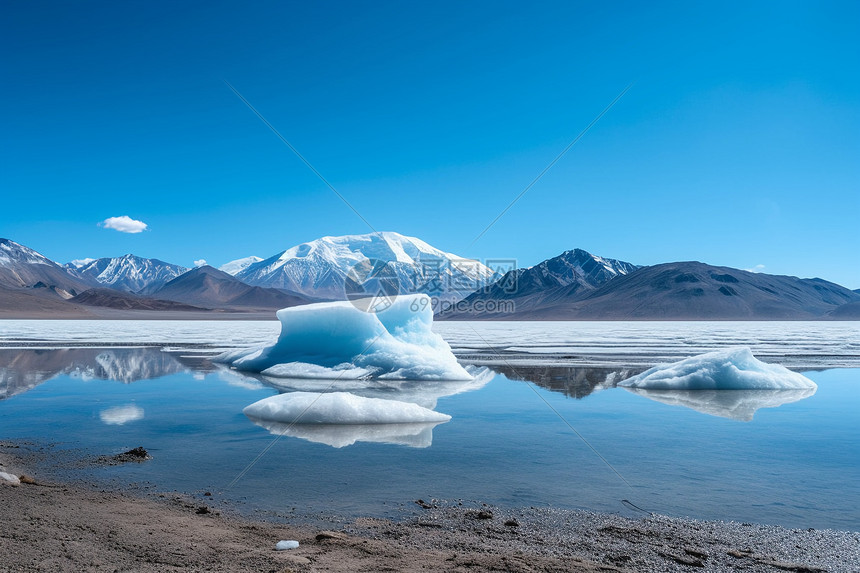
728 369
339 408
338 339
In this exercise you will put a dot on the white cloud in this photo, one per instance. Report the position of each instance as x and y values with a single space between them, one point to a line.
199 262
756 269
123 224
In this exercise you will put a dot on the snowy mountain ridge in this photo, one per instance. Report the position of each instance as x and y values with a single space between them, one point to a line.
235 267
320 268
130 272
12 252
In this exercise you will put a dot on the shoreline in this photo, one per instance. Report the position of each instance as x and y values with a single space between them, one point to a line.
65 526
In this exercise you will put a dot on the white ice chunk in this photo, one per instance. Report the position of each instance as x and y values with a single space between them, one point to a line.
285 544
396 343
12 480
339 408
731 369
734 404
120 415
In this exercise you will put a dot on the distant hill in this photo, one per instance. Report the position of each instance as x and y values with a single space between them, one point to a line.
849 311
696 291
210 287
558 279
119 300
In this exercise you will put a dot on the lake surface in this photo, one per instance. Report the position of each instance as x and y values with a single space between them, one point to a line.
543 426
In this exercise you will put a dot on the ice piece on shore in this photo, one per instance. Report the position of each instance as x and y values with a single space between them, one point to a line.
9 478
418 435
733 404
730 369
119 415
396 343
285 544
339 408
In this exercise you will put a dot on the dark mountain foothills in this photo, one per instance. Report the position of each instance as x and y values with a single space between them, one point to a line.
208 286
109 298
677 291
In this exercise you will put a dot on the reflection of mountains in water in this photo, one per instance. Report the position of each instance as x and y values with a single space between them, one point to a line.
24 369
572 381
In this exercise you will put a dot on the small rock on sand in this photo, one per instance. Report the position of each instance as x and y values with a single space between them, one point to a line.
285 544
9 478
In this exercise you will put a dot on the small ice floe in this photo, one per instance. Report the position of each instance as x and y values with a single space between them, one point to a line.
286 544
120 415
731 369
337 340
339 408
9 478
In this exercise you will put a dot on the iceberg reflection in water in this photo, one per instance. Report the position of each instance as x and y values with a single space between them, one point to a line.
397 412
734 404
339 435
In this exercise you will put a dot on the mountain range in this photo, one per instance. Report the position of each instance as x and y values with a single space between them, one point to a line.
575 285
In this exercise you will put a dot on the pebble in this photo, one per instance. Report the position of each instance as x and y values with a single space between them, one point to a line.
285 544
11 479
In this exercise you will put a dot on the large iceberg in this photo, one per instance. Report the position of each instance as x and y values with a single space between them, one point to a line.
730 369
337 340
339 408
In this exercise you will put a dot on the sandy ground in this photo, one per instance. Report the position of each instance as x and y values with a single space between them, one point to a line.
69 527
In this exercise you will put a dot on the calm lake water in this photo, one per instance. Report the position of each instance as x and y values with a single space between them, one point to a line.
515 437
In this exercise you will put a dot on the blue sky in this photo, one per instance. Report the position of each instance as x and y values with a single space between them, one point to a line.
738 143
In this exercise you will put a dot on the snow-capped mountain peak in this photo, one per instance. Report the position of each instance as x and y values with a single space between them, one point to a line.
131 273
319 268
239 265
12 252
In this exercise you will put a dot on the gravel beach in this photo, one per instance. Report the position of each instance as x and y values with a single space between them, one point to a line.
48 526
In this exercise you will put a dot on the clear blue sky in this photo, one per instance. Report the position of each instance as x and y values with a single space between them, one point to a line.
738 144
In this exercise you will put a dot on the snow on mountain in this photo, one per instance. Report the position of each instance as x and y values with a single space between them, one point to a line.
14 253
22 267
78 263
131 273
319 269
239 265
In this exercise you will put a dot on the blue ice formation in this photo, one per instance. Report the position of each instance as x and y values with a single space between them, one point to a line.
337 340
